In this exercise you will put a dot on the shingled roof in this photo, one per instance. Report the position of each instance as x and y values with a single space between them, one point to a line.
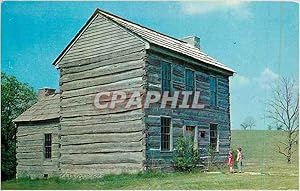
152 37
165 41
45 109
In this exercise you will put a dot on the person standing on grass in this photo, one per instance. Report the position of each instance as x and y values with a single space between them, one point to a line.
239 159
230 161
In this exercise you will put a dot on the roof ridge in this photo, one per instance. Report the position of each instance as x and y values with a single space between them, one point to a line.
131 22
152 30
126 24
150 36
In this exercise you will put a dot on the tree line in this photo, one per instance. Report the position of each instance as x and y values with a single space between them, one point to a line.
16 97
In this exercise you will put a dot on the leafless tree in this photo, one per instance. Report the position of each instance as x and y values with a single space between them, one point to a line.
248 123
283 109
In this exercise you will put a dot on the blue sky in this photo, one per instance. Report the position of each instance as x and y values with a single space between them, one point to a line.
259 40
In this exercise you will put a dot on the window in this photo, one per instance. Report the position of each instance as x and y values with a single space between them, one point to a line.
189 84
48 146
202 134
213 90
214 137
166 77
191 131
189 80
165 134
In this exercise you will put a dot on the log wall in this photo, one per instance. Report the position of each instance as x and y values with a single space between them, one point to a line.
96 141
185 117
30 150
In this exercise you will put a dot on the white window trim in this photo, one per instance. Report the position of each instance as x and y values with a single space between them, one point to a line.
218 142
196 140
171 134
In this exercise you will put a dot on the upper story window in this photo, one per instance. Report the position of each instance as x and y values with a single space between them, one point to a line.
189 80
165 134
165 77
213 90
48 146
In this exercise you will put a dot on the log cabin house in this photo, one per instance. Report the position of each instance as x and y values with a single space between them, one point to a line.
63 134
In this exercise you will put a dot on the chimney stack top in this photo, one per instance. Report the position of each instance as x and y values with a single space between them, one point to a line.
44 92
192 40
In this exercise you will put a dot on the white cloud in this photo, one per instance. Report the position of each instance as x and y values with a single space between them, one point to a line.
239 81
264 80
267 78
234 7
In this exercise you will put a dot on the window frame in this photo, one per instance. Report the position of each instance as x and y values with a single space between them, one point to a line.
170 134
47 146
202 132
165 79
185 79
216 149
196 132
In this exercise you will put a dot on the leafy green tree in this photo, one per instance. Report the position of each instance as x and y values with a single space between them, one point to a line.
16 97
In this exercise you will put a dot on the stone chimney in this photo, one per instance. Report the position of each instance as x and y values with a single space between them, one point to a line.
44 92
192 40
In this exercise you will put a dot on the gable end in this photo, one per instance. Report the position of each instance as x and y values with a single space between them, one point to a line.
99 36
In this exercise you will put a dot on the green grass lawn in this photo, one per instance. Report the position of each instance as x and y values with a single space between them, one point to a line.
260 157
261 153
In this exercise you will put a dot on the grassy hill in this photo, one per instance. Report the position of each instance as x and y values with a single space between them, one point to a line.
265 169
261 152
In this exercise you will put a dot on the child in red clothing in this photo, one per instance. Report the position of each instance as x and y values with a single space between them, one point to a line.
230 161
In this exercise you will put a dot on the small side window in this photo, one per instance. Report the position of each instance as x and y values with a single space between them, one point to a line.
202 134
165 134
48 146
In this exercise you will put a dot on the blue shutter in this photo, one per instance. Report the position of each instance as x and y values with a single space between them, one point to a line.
166 77
213 90
189 80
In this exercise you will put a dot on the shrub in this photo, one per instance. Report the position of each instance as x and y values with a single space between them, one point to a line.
185 156
211 158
